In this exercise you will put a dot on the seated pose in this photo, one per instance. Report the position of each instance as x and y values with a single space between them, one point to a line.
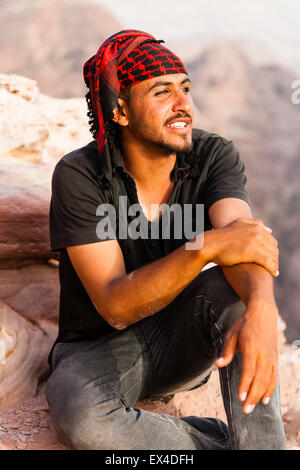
136 215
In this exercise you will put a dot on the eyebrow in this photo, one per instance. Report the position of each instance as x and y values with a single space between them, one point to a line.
157 84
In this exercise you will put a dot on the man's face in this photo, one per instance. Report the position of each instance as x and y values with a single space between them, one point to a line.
160 113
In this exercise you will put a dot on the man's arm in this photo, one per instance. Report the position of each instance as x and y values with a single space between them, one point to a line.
124 298
255 333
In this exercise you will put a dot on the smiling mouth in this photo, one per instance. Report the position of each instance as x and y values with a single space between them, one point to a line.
179 126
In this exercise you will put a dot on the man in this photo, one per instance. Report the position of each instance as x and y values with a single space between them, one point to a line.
138 317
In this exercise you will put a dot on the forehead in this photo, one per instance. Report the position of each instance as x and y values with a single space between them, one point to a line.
174 79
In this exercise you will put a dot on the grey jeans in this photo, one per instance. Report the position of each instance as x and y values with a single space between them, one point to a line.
95 384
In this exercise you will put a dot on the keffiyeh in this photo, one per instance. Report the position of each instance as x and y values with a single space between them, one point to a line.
124 59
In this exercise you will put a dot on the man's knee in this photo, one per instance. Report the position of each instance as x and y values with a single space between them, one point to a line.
83 422
91 429
227 304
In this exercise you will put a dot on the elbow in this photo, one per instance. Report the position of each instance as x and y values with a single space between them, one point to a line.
114 319
119 325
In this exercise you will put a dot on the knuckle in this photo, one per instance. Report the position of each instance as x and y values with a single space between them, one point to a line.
258 222
261 384
248 372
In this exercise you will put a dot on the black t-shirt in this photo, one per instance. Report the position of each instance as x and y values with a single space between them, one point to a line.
82 181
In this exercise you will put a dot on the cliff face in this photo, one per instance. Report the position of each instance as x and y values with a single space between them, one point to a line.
49 40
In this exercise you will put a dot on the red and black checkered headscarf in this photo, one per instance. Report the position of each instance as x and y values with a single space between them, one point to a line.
124 59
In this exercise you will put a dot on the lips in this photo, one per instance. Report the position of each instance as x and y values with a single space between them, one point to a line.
179 123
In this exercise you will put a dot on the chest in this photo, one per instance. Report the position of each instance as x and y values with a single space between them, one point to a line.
151 199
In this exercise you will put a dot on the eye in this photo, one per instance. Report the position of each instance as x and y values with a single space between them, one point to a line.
186 89
161 92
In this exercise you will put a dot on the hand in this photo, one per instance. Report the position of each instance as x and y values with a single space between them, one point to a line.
255 335
243 241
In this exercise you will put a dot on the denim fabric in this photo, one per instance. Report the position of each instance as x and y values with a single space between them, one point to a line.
95 384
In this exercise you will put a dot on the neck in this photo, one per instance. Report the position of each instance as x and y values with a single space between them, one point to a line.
148 165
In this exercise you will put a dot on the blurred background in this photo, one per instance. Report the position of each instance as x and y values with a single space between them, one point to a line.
242 57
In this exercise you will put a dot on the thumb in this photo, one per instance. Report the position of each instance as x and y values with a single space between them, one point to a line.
228 351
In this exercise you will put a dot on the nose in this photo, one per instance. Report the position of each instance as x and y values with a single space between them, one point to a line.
183 102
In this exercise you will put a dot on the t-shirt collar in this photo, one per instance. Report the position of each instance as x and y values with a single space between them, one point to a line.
110 164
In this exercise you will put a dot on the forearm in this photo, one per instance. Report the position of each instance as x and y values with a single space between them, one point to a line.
250 281
152 287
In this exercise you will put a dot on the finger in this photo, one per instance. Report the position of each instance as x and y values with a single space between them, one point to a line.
261 224
247 375
260 384
268 395
269 262
228 351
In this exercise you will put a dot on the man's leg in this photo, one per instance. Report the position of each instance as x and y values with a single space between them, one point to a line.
186 341
92 392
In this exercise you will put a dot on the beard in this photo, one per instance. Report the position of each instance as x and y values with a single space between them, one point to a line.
158 143
170 148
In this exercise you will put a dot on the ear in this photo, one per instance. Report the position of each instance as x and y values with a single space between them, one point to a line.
121 113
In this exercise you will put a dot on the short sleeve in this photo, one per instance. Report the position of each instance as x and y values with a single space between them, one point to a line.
74 207
226 176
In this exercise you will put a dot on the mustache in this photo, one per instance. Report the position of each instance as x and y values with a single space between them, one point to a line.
179 116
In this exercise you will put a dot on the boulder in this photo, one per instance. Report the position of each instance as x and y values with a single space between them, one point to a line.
35 127
32 291
24 348
24 212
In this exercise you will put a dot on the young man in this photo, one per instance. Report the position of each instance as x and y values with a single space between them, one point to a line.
138 316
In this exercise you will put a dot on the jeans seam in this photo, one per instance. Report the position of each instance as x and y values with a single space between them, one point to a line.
148 350
190 431
229 391
208 302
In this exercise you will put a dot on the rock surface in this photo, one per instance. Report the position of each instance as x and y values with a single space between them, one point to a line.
32 291
43 127
24 349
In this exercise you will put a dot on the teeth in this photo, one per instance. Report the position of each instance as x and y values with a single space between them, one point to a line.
178 125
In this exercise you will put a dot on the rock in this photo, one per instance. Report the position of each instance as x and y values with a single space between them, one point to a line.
24 212
24 349
23 133
32 291
43 127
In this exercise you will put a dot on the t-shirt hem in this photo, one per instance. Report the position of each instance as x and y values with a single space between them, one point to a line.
83 240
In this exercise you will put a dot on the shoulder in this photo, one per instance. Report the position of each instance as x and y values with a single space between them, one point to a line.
208 147
76 175
208 140
82 161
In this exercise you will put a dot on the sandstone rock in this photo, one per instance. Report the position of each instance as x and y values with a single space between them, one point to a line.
32 291
23 129
24 211
24 348
36 128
